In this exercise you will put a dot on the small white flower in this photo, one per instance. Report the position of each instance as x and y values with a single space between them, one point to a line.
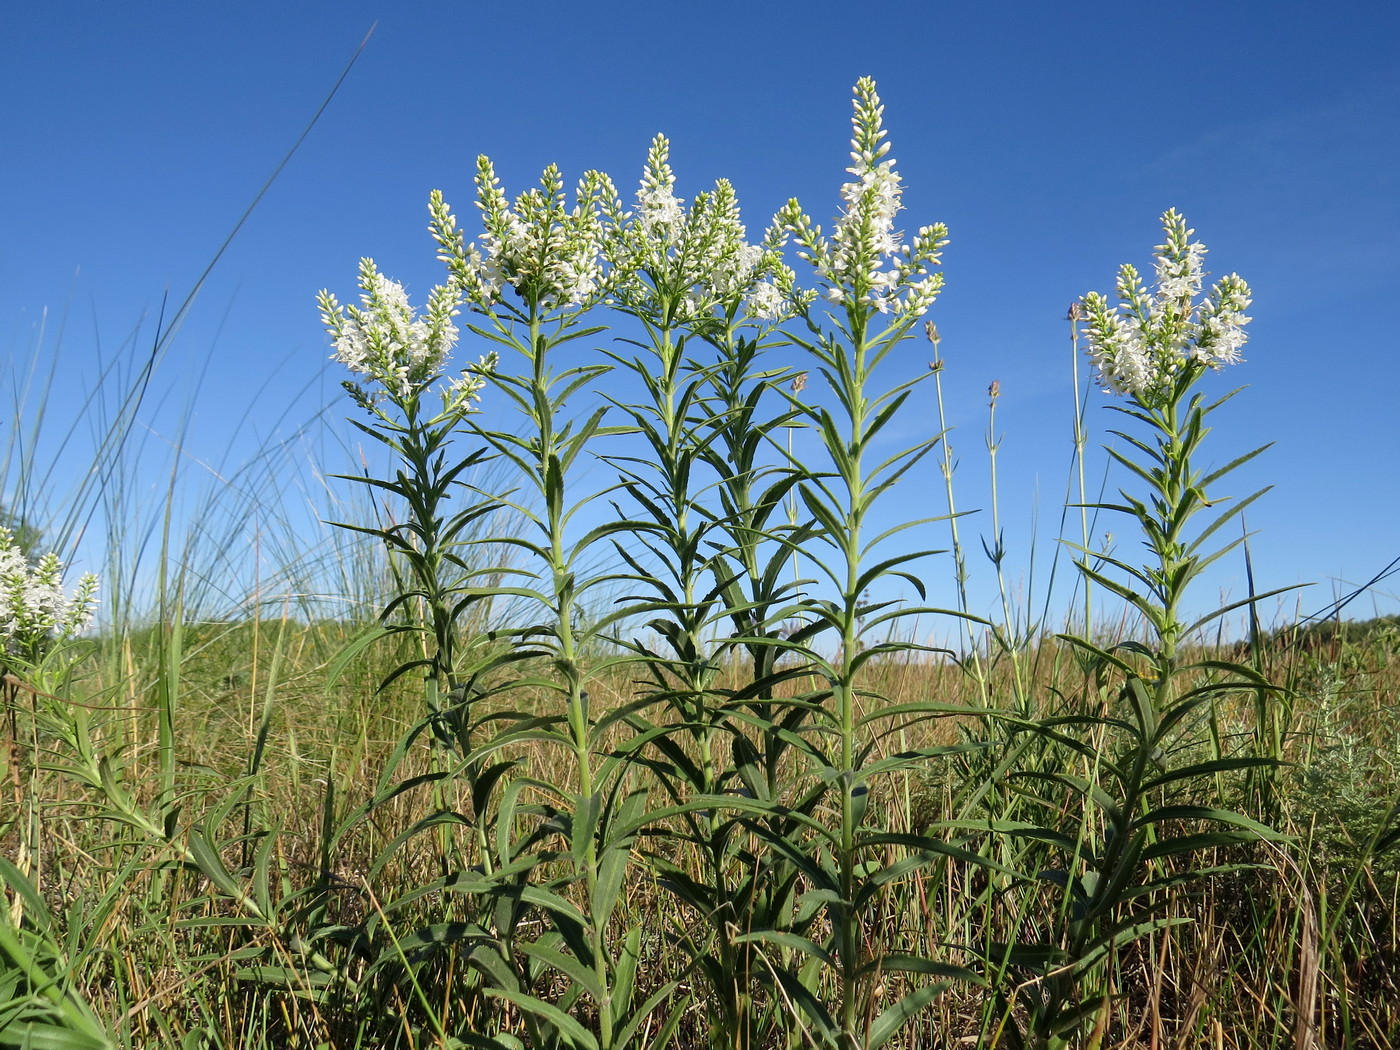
35 611
1179 273
384 339
1141 346
766 302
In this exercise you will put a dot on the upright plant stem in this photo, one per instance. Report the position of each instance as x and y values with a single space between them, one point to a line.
567 656
1081 440
1011 641
946 466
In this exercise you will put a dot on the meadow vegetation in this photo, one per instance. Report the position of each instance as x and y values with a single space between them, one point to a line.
636 742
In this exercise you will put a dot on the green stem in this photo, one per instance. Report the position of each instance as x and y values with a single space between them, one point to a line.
853 477
1081 440
567 657
960 573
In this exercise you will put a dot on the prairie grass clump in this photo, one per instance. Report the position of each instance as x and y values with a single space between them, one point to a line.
637 748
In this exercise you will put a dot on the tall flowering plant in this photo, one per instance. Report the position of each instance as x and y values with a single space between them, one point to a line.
540 265
878 286
399 359
1144 791
38 621
697 287
706 572
1152 348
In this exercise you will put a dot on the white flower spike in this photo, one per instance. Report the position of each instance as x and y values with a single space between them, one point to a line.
865 262
35 611
1142 346
385 340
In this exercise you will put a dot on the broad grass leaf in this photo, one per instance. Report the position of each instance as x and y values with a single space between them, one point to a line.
1181 845
898 962
40 1035
784 939
1224 816
572 1034
895 1017
625 1031
582 975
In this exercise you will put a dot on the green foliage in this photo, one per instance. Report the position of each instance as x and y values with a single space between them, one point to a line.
39 1005
675 777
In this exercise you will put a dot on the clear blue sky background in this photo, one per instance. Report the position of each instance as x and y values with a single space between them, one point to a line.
1049 137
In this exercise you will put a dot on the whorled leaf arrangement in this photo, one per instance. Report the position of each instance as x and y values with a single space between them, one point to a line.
1132 755
728 568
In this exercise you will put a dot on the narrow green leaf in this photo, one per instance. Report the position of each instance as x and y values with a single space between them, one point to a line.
895 1017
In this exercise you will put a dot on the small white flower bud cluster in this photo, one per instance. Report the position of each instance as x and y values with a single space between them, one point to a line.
659 212
1141 346
695 264
385 340
865 262
549 253
34 610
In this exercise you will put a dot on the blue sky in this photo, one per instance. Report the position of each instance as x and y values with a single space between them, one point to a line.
1049 137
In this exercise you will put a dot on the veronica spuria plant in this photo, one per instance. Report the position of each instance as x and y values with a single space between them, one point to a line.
1146 792
39 621
706 299
1152 348
39 625
879 287
398 359
706 570
537 271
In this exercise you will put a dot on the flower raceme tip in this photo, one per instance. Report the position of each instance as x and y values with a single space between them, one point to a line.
1141 346
388 342
35 610
865 263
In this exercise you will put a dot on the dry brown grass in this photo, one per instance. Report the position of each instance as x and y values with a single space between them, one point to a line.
1299 950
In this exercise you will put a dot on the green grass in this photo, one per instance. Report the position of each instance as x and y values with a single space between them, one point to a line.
541 783
153 951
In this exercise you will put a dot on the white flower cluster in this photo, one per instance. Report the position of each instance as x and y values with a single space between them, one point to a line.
1141 346
865 261
34 610
659 212
550 254
385 340
691 265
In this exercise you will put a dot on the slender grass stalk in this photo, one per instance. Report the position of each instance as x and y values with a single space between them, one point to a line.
1081 441
947 465
1011 638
